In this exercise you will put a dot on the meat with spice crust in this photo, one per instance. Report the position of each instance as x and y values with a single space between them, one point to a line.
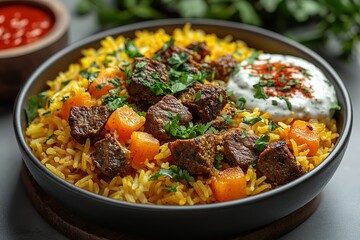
181 59
278 164
223 67
239 148
195 155
161 113
111 158
200 48
205 101
87 122
146 73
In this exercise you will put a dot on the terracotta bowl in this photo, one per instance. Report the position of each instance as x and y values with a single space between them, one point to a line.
18 63
209 221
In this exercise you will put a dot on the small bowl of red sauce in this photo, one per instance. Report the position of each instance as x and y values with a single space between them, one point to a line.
30 32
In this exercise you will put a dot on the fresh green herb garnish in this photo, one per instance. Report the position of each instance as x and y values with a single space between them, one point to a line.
288 103
335 106
34 103
176 60
182 132
64 83
64 98
261 143
217 161
106 62
50 137
175 173
85 73
197 96
131 50
172 188
240 103
260 94
251 120
114 102
254 56
272 125
47 113
100 86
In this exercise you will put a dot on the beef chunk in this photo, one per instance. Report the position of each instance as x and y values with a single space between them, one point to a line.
87 122
181 59
212 100
195 155
239 149
223 67
278 163
111 158
145 73
200 48
159 114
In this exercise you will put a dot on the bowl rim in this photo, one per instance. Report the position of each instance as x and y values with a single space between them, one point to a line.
61 24
342 140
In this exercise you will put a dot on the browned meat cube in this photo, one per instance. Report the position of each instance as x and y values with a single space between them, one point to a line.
161 113
200 48
239 149
223 67
195 155
87 122
278 163
111 158
145 73
180 59
205 101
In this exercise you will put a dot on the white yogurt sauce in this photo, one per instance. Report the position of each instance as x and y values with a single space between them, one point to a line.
292 87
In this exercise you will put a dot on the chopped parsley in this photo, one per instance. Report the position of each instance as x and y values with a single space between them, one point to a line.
261 143
240 103
260 94
182 132
335 106
217 161
50 137
175 173
100 86
287 101
172 188
197 96
64 83
34 103
131 50
113 101
176 60
86 73
254 56
272 125
167 44
251 120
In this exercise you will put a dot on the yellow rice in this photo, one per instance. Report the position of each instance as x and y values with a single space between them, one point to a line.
71 161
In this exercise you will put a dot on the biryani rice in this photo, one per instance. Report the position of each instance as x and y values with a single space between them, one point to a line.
50 139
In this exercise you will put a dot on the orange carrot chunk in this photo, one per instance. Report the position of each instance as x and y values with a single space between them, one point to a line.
303 132
125 121
80 99
229 184
143 146
107 80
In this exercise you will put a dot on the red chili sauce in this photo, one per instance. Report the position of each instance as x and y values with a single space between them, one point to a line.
22 24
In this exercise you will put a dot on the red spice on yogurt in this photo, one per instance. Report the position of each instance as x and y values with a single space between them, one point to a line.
22 24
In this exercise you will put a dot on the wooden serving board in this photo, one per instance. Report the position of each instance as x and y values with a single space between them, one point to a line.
76 228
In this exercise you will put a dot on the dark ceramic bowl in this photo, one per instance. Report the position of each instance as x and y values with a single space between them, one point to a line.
218 219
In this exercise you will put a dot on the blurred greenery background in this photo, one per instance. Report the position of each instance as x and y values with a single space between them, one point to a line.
310 22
